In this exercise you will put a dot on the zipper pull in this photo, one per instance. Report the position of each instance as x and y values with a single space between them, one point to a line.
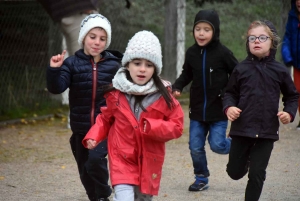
201 51
95 66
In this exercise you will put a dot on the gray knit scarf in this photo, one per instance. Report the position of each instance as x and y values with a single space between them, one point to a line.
121 83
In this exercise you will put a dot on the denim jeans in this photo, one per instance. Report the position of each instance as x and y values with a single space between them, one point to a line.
126 192
92 167
253 154
216 139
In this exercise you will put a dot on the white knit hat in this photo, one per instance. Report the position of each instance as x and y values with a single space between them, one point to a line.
144 45
91 21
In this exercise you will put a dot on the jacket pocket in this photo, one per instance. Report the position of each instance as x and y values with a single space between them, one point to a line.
151 172
127 156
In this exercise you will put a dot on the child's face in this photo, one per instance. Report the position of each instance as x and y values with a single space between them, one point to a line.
258 48
203 33
94 42
141 71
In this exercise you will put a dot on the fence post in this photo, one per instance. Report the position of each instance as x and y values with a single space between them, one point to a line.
181 7
170 40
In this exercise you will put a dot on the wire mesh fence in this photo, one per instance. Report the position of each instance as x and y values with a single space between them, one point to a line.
28 38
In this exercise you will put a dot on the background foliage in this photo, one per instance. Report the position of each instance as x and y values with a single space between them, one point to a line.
28 39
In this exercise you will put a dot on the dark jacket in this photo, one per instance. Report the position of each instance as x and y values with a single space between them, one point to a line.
86 90
58 9
290 50
208 69
254 87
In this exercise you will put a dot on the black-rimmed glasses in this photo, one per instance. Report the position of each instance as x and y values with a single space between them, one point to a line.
261 38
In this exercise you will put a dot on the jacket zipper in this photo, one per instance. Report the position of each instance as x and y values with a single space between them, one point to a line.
94 88
297 48
210 72
204 83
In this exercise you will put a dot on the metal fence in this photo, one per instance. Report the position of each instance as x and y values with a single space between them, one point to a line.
28 37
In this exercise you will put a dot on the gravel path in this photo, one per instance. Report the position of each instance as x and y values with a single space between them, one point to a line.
36 164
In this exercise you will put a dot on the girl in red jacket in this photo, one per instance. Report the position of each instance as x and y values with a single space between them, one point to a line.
140 117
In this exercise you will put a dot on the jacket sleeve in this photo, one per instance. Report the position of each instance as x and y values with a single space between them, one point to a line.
290 95
100 129
166 129
184 78
232 91
58 79
230 61
286 44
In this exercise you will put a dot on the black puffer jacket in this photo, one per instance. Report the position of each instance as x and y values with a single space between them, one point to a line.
255 87
208 68
86 90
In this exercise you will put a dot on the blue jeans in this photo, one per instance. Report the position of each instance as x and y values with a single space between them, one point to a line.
216 139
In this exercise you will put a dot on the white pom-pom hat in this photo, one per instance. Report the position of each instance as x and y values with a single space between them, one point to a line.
91 21
144 45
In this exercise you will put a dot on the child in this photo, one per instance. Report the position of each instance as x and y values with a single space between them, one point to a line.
251 102
290 50
141 115
207 65
86 74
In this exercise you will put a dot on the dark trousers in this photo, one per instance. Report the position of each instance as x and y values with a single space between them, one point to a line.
251 154
92 167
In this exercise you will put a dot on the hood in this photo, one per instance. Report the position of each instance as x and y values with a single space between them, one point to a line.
275 43
106 54
211 17
294 11
113 53
293 6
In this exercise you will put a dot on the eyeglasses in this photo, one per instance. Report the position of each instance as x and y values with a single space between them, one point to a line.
261 38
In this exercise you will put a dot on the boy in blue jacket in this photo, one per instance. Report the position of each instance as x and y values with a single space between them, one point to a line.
207 65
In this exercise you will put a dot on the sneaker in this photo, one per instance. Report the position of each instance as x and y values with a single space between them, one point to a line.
198 186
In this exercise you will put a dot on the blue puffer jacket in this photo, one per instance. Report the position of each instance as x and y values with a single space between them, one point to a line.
291 42
86 81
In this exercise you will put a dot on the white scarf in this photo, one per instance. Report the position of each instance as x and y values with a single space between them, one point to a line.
121 83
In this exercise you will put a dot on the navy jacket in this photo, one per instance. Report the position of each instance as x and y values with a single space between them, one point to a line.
255 86
208 68
290 50
86 82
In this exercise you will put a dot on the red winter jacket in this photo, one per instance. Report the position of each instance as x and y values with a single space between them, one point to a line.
136 157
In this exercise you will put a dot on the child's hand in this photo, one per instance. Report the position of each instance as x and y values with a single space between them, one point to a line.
57 60
176 94
233 113
284 117
91 144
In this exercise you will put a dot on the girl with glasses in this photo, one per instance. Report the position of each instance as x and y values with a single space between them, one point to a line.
251 102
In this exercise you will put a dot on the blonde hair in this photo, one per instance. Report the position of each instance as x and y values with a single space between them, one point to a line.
273 35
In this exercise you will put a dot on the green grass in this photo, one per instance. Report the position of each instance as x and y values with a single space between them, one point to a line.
24 113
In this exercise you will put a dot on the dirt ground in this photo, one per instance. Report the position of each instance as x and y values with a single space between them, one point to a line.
36 164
